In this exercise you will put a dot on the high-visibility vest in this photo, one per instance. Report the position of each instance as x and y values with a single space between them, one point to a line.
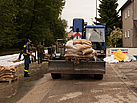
24 50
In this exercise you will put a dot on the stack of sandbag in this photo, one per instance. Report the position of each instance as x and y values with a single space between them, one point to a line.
79 48
8 73
46 56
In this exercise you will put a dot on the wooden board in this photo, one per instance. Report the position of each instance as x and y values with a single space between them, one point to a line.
9 79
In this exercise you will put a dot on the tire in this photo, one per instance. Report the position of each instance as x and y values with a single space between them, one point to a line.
98 76
55 75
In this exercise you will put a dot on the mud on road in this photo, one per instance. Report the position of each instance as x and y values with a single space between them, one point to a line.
11 93
117 86
82 89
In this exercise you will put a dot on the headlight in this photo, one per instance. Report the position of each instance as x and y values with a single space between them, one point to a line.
101 51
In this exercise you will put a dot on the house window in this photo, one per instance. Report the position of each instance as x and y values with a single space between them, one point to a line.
128 33
129 12
125 34
125 14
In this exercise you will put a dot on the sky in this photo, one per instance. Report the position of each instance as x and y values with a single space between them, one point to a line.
85 9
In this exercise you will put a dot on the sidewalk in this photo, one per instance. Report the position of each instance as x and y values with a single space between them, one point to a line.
127 72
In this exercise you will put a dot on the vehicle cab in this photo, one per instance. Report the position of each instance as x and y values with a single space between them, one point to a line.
96 34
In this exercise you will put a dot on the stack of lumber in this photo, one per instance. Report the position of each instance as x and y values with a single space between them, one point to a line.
8 73
79 49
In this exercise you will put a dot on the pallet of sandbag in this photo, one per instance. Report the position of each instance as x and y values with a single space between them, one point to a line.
8 69
8 79
87 59
46 59
8 74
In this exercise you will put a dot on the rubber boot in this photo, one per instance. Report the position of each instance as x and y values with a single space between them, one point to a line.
26 75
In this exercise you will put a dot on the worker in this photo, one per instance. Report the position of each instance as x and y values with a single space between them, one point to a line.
20 54
26 55
60 45
33 51
57 47
53 48
40 52
43 48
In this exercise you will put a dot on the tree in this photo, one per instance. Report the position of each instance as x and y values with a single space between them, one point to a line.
108 14
115 36
33 19
7 25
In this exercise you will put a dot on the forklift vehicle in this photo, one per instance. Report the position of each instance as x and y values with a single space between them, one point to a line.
93 33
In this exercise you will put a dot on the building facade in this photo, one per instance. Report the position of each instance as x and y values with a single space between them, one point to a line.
69 35
129 23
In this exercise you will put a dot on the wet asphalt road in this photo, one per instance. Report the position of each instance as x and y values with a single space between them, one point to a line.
118 86
114 88
11 93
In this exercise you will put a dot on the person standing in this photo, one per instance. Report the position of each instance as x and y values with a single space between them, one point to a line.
26 55
53 49
20 54
43 48
40 52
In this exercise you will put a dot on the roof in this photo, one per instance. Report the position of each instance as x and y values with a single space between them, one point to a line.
126 4
70 31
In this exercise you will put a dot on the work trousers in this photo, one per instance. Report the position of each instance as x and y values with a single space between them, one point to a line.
26 63
40 57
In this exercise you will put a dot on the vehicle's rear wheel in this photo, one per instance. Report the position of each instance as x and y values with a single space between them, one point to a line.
56 75
98 76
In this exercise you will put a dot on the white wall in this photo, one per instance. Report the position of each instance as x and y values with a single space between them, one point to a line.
128 51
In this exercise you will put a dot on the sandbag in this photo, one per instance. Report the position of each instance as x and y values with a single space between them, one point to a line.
69 45
8 73
71 50
85 41
78 53
89 55
71 55
81 41
96 54
78 46
82 46
87 51
77 41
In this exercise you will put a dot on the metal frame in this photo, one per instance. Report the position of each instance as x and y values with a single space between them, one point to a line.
66 67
